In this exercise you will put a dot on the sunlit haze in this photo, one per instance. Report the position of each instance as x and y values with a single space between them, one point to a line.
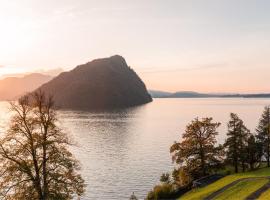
174 45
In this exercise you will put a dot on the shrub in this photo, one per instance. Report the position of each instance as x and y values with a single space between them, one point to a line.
164 191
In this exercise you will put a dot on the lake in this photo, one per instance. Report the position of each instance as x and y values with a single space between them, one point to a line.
127 151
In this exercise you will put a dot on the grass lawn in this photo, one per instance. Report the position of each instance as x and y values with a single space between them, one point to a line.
265 195
242 189
201 193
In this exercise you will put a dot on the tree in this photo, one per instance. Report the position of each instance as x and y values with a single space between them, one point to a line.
34 160
181 177
236 142
263 133
197 152
254 152
162 191
165 178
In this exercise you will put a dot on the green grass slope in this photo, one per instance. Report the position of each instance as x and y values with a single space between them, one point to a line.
237 191
265 195
201 193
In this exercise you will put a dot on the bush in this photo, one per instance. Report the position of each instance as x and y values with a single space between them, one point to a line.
181 177
165 178
164 191
167 191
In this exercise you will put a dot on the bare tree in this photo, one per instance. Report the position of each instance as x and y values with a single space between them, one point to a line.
34 160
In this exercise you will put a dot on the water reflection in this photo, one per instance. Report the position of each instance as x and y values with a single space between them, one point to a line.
126 151
105 141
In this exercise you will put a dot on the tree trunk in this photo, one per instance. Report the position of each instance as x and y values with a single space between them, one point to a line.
45 185
268 151
202 160
235 165
268 160
38 190
236 168
44 162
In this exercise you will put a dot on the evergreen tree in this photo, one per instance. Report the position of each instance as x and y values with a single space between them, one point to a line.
236 142
197 152
263 133
254 152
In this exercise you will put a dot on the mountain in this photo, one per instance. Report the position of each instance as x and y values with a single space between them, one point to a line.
191 94
258 95
159 94
180 94
106 83
12 88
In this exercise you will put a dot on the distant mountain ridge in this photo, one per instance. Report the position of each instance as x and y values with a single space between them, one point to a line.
191 94
12 88
105 83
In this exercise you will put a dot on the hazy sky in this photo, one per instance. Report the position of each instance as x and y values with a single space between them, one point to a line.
199 45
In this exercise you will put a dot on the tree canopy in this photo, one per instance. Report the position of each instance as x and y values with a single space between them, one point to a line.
236 142
197 152
35 162
263 133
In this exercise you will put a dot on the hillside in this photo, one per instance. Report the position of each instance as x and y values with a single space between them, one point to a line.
236 186
191 94
159 94
181 94
13 87
106 83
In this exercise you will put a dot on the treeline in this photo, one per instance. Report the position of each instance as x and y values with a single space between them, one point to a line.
198 154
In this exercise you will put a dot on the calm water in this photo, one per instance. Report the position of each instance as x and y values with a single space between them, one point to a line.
125 152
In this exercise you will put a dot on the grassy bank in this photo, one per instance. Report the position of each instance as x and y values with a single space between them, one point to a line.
237 191
265 195
201 193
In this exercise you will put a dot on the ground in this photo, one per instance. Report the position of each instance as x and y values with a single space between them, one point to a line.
238 189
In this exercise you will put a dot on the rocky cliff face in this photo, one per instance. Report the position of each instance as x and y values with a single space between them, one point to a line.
106 83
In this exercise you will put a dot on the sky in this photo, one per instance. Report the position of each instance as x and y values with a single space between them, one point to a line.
173 45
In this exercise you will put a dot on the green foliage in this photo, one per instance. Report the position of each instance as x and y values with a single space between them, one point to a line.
181 177
165 178
236 142
263 133
171 188
254 152
163 191
197 153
